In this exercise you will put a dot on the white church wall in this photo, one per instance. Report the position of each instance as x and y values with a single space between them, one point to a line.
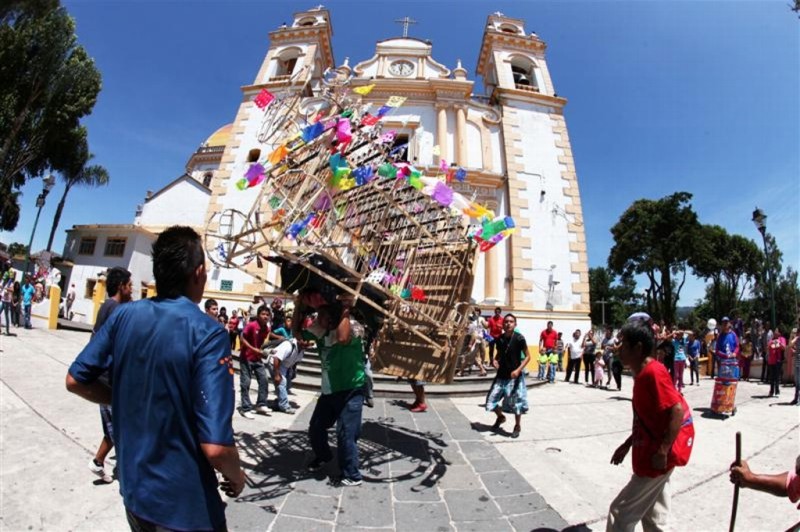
549 232
474 147
185 203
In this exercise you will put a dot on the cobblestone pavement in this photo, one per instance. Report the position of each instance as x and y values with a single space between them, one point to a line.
424 471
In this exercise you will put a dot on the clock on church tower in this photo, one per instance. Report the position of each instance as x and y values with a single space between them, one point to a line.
401 68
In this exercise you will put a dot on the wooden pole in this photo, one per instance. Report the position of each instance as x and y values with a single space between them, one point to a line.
736 486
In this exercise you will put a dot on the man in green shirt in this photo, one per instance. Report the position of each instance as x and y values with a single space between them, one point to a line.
341 402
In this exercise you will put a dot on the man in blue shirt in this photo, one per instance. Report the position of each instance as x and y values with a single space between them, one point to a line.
28 291
173 395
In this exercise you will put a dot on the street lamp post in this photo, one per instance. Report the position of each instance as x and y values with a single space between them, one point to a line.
49 183
760 220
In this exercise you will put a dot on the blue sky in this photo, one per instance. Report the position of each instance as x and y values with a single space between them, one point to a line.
663 96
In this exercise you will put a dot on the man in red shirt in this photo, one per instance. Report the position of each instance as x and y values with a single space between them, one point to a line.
495 326
548 339
657 417
251 363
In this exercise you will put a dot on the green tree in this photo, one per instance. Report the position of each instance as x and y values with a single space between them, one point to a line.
619 296
17 249
656 238
85 175
47 84
730 262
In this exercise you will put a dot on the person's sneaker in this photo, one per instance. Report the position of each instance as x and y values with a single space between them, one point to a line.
247 414
316 464
99 471
420 408
349 482
369 402
289 411
263 410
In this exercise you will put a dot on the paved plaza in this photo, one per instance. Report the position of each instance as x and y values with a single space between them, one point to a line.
440 470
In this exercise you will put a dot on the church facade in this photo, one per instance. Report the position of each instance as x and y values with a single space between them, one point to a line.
512 141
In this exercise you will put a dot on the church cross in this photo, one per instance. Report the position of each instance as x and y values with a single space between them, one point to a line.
405 21
498 14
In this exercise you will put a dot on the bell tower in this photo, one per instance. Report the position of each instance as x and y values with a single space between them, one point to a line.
300 52
548 268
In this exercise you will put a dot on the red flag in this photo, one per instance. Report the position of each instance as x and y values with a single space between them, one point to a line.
263 99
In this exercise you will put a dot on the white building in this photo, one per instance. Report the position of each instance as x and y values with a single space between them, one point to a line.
513 141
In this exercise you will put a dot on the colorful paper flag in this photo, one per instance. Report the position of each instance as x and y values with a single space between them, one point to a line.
263 99
254 171
313 131
369 120
461 174
343 131
442 194
278 154
437 150
396 101
383 110
364 90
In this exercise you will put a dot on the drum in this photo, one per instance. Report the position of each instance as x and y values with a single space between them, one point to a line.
723 399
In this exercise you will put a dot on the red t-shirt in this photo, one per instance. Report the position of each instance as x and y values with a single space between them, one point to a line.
495 326
776 348
255 336
549 338
653 395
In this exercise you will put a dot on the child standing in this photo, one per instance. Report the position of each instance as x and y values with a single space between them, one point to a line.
542 365
679 360
560 352
693 350
554 363
599 364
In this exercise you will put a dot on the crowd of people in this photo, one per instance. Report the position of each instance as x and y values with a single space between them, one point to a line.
166 357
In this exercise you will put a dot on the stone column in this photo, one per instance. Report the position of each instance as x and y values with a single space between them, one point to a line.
441 131
461 136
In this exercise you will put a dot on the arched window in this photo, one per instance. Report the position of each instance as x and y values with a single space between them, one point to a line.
287 60
207 179
508 28
307 22
524 72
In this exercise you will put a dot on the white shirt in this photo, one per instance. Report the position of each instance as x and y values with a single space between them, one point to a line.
575 350
287 352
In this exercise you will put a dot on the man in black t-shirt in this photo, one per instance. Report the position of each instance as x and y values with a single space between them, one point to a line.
120 290
508 390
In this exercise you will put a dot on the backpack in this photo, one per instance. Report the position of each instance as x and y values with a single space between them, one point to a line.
682 447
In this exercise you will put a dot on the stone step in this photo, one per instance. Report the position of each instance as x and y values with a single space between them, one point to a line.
309 377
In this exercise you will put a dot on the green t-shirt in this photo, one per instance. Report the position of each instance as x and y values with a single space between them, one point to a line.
342 364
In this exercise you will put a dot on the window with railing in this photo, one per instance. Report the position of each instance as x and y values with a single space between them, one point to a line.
87 245
115 247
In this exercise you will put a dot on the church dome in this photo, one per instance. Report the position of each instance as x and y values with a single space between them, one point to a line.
220 137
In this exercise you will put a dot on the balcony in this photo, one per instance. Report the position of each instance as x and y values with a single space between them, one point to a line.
526 87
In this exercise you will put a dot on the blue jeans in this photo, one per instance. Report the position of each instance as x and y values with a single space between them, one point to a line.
551 372
246 372
281 389
26 312
540 373
5 310
343 409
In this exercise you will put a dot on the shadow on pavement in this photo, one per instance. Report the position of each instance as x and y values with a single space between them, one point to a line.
619 398
275 461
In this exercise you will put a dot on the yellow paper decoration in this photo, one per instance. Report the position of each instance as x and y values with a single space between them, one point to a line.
366 89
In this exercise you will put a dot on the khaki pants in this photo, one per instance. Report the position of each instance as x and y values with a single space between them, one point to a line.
643 499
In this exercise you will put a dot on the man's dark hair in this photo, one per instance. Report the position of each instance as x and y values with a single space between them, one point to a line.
549 322
116 277
262 308
177 252
509 315
210 303
638 332
498 309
